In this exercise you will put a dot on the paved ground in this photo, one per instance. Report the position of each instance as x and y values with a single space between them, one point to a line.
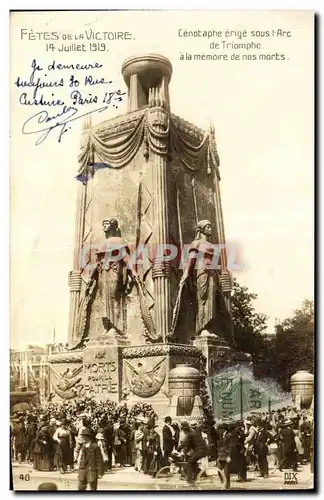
26 479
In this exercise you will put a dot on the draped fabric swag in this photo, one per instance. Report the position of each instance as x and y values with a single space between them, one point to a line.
116 152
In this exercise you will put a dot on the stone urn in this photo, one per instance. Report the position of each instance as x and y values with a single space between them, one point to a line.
184 384
302 384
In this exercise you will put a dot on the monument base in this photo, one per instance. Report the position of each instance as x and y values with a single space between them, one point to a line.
218 353
169 377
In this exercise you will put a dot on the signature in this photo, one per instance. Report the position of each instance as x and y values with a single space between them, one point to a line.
43 124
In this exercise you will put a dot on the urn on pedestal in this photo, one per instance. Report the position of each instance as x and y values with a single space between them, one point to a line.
302 384
184 385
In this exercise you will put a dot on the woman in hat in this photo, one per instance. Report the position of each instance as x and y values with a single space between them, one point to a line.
154 453
43 447
63 454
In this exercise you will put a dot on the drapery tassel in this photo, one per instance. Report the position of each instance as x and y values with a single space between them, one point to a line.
145 144
208 160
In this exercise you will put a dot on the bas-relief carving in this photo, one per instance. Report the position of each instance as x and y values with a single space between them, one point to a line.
66 382
145 377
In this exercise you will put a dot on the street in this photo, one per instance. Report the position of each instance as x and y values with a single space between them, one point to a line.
26 479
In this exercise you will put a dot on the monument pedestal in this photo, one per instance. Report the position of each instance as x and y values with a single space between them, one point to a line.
103 367
218 353
170 377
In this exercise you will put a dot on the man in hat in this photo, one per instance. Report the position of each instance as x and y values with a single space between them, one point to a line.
108 432
194 447
223 458
241 452
82 425
306 431
289 446
263 438
168 434
154 453
90 462
250 433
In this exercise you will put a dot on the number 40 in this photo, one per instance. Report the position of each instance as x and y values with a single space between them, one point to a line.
24 477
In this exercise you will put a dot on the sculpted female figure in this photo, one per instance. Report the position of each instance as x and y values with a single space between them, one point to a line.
115 271
201 268
108 285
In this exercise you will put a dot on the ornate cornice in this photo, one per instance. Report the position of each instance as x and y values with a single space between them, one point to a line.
124 123
161 350
119 124
66 357
193 133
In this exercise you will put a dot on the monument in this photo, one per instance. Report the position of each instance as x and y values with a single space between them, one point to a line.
146 322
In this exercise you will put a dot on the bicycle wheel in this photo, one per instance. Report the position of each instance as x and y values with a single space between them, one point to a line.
164 472
201 475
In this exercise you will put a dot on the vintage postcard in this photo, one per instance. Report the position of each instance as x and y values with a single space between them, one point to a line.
162 253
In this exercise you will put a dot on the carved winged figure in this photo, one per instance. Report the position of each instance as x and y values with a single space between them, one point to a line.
145 383
69 379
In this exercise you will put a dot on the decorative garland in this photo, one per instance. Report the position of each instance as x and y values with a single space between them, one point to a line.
160 132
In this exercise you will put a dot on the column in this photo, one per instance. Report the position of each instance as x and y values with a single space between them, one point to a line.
225 277
133 93
75 279
158 139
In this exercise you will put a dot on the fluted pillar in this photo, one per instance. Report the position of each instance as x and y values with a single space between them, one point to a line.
225 275
133 93
75 280
158 131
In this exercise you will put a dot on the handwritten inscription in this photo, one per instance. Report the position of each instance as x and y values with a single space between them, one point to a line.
67 88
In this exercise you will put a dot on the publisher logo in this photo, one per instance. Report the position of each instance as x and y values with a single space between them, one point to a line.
290 478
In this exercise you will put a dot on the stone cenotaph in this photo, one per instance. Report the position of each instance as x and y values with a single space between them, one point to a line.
150 315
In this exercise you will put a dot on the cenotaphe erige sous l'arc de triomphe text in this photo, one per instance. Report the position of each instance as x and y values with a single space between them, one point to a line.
147 329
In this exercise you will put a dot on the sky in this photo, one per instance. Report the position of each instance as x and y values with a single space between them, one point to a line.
263 117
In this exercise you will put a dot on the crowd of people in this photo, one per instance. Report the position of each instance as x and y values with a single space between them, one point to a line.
97 439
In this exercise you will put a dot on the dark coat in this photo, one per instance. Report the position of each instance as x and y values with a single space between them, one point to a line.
261 442
177 435
224 448
154 452
120 435
168 441
90 464
31 432
288 440
108 433
145 438
43 441
126 430
195 442
19 433
234 443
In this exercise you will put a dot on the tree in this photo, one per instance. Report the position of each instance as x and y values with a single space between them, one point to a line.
295 344
248 324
